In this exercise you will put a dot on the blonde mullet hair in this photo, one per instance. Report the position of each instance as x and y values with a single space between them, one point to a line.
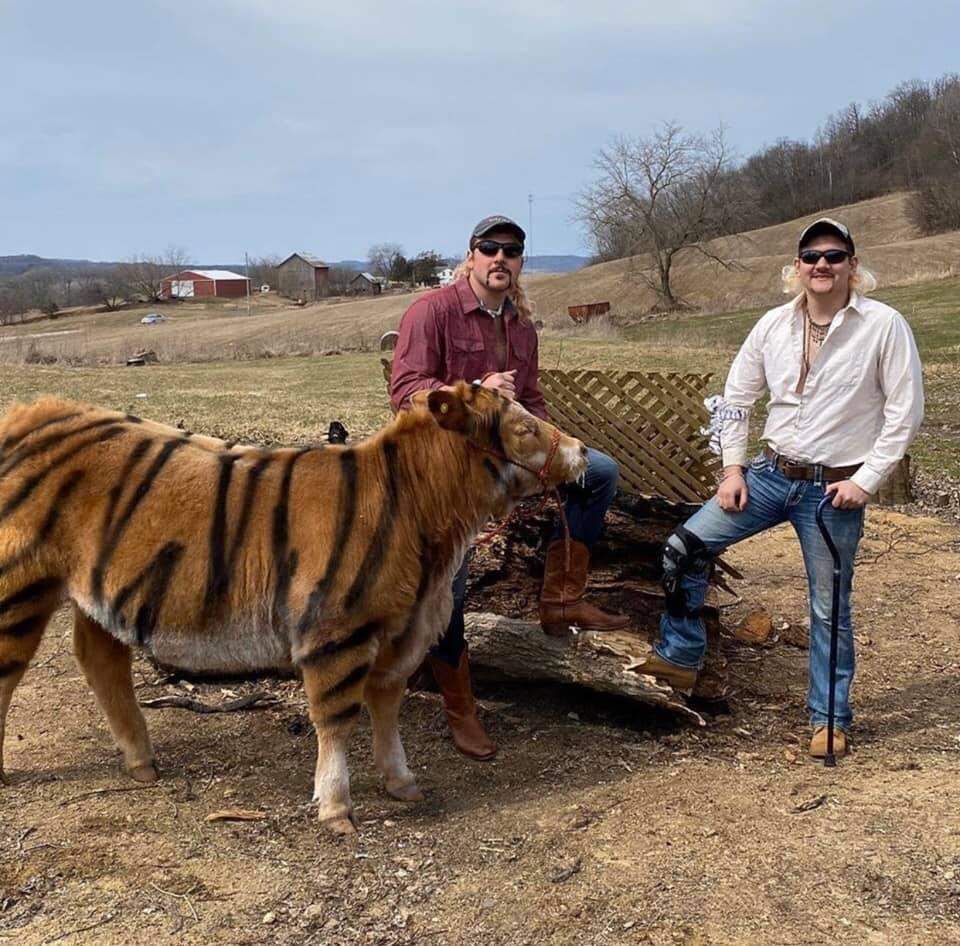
862 280
517 295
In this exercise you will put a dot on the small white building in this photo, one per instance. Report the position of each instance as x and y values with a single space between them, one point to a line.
444 275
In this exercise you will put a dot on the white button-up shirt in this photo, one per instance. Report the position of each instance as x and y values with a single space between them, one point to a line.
863 397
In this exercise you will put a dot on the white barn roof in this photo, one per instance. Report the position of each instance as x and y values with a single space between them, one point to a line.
216 274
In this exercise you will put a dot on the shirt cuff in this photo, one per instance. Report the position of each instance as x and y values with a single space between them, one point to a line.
868 480
734 456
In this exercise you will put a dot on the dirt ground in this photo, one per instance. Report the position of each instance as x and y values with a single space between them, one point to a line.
598 823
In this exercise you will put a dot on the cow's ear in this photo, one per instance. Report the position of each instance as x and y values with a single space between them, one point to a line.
449 410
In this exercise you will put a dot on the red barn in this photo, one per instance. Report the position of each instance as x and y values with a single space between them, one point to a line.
193 283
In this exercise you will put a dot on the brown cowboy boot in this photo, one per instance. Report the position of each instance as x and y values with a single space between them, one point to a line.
562 603
468 734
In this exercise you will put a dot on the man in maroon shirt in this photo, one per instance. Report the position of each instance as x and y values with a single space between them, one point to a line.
479 329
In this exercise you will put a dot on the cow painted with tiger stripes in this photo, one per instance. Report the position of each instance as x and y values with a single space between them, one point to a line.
216 557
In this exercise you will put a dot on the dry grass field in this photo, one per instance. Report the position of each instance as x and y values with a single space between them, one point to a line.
599 823
887 243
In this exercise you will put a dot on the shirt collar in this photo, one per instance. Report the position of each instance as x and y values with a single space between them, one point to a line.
470 303
855 302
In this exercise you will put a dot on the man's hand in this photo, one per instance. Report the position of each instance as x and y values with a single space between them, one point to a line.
502 381
732 493
847 495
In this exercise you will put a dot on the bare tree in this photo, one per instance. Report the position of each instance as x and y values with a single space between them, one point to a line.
145 274
657 196
382 258
263 270
112 288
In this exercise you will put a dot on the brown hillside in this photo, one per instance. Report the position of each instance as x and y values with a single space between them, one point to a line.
887 243
211 330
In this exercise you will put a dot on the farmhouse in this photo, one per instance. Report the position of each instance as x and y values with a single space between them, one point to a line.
366 284
191 283
303 276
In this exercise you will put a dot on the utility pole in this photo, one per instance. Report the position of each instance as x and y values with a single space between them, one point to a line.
530 197
529 223
246 272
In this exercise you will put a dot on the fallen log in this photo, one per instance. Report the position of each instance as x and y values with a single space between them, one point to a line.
605 662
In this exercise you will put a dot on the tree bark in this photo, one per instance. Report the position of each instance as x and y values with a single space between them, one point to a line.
896 489
519 650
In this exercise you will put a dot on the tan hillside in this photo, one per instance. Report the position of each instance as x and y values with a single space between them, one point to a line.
211 330
887 243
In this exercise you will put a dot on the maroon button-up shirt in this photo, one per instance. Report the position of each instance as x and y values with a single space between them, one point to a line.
446 337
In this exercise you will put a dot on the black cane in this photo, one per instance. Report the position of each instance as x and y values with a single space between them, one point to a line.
830 760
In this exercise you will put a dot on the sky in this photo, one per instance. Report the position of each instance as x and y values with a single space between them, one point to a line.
225 127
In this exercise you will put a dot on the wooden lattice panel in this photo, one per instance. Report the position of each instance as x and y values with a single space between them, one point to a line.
647 421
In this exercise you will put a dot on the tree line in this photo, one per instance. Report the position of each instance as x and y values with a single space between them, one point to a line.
58 285
675 190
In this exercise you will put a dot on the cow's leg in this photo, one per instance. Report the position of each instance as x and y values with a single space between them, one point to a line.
105 662
334 687
383 698
24 615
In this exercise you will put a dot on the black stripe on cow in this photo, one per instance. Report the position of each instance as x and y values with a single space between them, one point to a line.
376 554
356 638
25 627
49 523
285 560
346 511
29 593
48 443
10 442
133 419
496 440
428 558
217 561
155 580
246 509
347 715
115 524
351 679
32 482
12 666
493 470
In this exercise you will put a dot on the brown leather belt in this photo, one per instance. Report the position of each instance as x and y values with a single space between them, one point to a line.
798 470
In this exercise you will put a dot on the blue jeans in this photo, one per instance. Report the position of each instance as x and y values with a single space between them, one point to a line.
585 508
773 499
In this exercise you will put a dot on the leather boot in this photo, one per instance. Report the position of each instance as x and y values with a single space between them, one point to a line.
468 734
562 603
818 744
679 678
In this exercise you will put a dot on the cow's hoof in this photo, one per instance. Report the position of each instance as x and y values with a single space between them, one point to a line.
408 792
342 827
144 774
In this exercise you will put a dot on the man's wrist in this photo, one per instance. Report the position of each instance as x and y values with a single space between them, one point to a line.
733 469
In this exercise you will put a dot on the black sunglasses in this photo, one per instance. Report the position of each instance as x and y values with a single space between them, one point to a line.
812 257
492 247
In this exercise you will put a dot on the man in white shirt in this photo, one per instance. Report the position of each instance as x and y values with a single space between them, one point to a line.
846 400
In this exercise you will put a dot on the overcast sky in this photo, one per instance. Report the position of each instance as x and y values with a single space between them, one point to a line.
268 126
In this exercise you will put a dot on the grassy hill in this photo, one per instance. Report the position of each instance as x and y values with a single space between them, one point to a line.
887 243
214 330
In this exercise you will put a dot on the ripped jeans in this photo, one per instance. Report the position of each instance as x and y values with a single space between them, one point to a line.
772 500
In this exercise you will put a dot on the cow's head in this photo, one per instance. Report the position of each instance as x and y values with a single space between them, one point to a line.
524 453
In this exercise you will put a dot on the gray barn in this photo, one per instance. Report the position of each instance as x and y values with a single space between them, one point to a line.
303 276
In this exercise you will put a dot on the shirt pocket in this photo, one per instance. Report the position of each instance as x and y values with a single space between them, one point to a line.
845 369
522 343
466 357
